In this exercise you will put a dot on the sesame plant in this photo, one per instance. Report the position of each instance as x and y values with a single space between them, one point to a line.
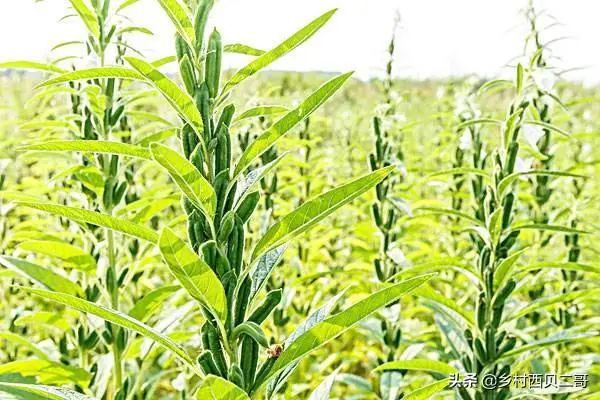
172 228
96 112
212 264
493 337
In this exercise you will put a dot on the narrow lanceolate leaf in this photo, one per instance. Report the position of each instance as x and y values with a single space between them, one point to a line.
323 391
87 16
427 391
23 391
95 218
313 211
47 372
561 337
41 275
91 146
151 302
552 300
193 273
243 49
247 182
570 266
459 171
179 15
548 126
156 137
179 99
418 365
74 256
261 111
117 318
217 388
452 212
332 327
187 177
263 269
506 182
313 319
94 73
282 49
24 344
268 138
548 227
505 267
427 292
31 65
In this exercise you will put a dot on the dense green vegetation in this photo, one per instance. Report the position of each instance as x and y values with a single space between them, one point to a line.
233 235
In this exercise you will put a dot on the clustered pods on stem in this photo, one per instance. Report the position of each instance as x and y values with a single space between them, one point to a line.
488 341
385 214
98 123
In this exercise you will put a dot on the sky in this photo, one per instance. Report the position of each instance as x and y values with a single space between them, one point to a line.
436 39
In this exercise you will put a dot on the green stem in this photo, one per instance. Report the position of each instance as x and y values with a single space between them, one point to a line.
114 297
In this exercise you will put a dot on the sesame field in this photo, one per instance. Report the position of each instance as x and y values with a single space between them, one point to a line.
174 229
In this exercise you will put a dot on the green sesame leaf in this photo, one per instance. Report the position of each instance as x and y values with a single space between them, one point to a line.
151 302
91 146
117 318
427 391
417 364
23 391
179 15
507 181
217 388
187 177
261 111
239 48
196 277
311 212
31 65
332 327
48 372
560 337
87 16
175 96
43 276
72 255
93 73
277 52
268 138
95 218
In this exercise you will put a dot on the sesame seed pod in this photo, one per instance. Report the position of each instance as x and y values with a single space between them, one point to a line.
506 212
247 206
214 345
242 301
262 312
213 63
207 363
187 74
248 360
200 18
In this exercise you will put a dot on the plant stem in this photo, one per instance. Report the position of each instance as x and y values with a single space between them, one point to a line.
114 298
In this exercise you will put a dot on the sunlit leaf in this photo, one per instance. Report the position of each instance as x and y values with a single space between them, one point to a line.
193 273
217 388
41 275
187 177
282 49
269 137
95 218
117 318
332 327
313 211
